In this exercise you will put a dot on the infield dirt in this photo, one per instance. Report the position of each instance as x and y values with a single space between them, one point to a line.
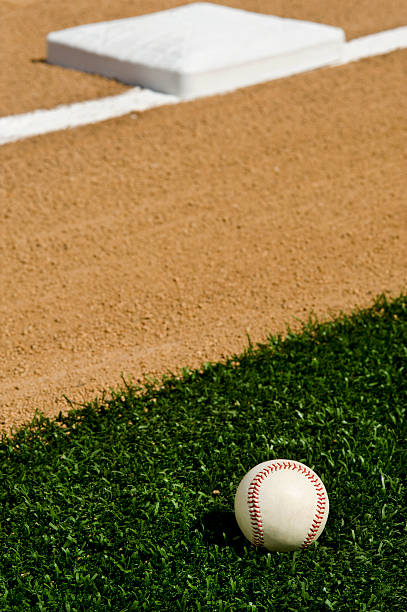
162 239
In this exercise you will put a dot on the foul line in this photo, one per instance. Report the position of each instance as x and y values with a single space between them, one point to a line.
17 127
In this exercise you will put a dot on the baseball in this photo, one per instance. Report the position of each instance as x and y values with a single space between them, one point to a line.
281 505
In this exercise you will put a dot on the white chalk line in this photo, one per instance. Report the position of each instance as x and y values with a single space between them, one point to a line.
375 44
17 127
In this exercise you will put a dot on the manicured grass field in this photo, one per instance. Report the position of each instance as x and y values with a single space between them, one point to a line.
127 504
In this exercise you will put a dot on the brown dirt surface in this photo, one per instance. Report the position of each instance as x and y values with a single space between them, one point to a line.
159 240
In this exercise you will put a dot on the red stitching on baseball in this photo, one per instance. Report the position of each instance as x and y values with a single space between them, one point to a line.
254 501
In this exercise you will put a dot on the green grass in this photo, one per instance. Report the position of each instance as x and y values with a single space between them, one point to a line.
113 507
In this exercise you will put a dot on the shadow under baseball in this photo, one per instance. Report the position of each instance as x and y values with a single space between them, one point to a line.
220 528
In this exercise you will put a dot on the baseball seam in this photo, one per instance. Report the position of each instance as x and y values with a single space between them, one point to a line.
254 500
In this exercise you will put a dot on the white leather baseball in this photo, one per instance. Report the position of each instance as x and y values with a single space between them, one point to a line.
282 505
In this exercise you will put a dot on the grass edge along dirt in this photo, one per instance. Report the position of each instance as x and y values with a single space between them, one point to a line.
127 503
